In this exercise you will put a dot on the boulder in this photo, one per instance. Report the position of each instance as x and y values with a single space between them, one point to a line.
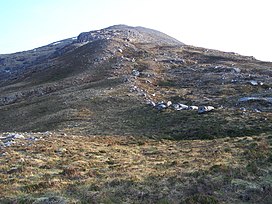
193 108
9 143
253 83
160 106
180 106
18 136
237 70
135 72
175 106
183 106
169 103
256 83
205 109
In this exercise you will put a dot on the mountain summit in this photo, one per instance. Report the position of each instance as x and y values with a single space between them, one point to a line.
128 33
125 80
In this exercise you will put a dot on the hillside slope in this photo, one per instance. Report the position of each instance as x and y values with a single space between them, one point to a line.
101 82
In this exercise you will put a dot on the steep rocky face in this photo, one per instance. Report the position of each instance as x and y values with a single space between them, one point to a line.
101 81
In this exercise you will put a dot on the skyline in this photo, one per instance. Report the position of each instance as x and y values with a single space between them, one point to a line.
234 26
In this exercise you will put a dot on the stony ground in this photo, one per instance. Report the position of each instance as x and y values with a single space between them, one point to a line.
59 168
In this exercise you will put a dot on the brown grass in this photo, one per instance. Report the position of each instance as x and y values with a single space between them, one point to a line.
85 169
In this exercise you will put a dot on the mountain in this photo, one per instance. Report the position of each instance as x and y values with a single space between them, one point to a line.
131 115
101 83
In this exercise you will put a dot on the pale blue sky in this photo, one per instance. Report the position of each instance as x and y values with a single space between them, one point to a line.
241 26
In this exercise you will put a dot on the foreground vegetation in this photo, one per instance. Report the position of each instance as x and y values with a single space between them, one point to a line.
74 169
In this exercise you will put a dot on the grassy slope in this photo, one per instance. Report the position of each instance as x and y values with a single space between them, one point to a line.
94 99
112 169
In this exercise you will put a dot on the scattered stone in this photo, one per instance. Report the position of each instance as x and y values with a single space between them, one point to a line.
193 107
237 70
9 143
135 73
21 160
169 103
152 103
182 106
61 150
256 83
175 106
8 139
12 136
5 154
253 83
32 139
205 109
133 88
161 106
120 50
18 136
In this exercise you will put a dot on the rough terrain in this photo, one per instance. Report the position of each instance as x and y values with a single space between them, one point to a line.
59 168
131 115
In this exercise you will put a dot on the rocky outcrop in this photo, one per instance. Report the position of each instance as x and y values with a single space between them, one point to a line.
12 138
129 34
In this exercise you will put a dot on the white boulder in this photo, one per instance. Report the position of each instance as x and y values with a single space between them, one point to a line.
193 108
204 109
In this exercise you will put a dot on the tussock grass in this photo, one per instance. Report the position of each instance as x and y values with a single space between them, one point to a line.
80 169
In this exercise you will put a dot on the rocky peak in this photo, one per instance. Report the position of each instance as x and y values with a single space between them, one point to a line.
128 33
